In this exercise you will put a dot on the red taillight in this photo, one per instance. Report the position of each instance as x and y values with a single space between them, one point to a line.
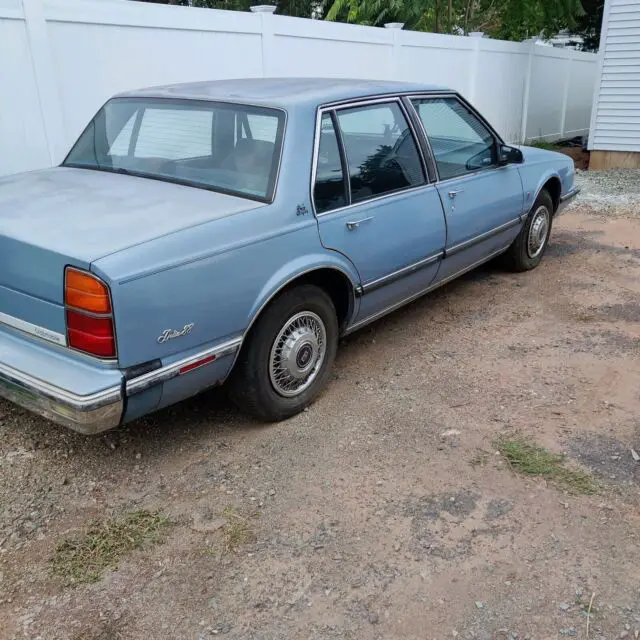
92 335
89 330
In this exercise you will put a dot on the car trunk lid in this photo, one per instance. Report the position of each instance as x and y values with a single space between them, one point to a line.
65 216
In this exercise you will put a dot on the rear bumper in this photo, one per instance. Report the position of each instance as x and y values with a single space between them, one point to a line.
85 414
63 389
567 199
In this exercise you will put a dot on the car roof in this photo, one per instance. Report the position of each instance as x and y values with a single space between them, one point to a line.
282 92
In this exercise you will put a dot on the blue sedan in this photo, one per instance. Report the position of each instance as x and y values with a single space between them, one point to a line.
232 231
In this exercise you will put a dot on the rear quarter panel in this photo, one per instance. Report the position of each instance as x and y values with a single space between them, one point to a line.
218 275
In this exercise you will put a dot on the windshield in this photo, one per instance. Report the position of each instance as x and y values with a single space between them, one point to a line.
229 148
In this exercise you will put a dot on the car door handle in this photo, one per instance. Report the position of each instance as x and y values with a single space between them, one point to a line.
453 194
354 224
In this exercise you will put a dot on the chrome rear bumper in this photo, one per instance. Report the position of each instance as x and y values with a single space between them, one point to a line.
86 414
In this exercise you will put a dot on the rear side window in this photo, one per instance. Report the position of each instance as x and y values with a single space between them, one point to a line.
382 154
329 191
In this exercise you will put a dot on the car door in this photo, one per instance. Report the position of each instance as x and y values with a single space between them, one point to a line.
374 204
482 199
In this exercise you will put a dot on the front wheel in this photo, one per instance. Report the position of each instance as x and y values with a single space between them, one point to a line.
287 358
529 247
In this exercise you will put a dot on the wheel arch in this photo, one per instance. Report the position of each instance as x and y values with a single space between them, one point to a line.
338 280
553 185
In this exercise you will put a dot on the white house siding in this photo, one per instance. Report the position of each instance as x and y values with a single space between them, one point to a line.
615 124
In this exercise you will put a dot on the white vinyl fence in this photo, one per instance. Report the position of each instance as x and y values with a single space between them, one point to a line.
61 59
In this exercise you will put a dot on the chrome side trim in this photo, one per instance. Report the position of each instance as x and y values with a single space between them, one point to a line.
86 414
139 384
411 298
567 197
33 329
400 273
483 236
566 200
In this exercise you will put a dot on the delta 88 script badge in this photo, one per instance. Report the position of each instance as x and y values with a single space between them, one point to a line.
170 334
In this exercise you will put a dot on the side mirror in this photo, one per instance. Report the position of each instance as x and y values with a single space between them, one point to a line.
509 155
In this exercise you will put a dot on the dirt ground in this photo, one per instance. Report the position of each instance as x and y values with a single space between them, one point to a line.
383 512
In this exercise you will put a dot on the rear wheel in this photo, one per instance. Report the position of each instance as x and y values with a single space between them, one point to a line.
287 358
529 247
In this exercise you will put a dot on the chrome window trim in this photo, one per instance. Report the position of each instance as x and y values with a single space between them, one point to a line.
348 104
423 140
483 236
166 98
415 296
376 199
143 382
434 96
400 273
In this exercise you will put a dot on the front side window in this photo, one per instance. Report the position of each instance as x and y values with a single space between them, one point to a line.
224 147
382 155
460 142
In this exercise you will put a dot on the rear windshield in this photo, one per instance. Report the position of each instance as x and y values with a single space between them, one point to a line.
229 148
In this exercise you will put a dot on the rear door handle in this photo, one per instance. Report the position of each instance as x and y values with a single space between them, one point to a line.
354 224
453 194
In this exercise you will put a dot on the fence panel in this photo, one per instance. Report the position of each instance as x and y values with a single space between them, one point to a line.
69 56
23 139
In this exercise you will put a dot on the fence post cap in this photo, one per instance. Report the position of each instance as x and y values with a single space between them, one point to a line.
263 8
394 25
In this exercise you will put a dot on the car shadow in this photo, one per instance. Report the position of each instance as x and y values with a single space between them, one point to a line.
211 416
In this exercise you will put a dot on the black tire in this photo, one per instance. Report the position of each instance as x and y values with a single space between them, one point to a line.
519 256
251 386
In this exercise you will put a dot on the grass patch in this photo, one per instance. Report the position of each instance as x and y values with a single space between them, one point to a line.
543 144
83 558
235 533
480 459
528 459
238 530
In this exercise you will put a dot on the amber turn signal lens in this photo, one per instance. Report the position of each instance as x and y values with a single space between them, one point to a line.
86 292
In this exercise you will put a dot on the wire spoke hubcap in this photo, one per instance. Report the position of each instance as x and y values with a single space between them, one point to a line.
538 232
297 354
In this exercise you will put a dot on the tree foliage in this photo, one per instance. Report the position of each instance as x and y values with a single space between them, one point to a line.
295 8
506 19
589 24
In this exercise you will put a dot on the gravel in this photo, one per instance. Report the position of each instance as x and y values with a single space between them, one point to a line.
610 192
383 510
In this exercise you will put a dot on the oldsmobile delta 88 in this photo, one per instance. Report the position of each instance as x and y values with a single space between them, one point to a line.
234 230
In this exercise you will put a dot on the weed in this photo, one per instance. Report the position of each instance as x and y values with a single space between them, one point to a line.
83 558
543 144
237 531
529 459
480 459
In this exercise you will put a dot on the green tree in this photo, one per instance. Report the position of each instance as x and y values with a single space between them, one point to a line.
507 19
589 24
295 8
